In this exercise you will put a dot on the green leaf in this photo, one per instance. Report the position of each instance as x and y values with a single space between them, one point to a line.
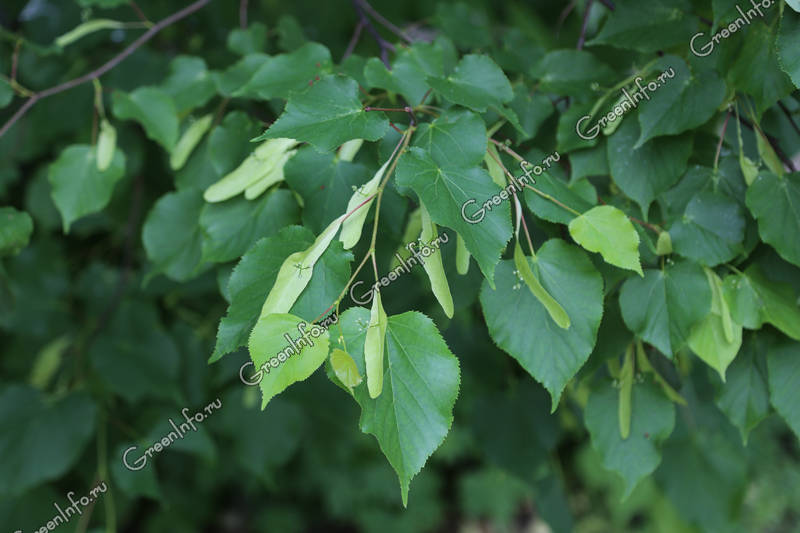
189 83
644 173
255 275
556 188
172 236
571 72
788 45
532 110
231 80
325 183
6 94
247 41
744 398
756 70
279 75
16 228
477 83
652 421
154 109
444 191
454 140
326 115
522 326
55 434
289 349
433 264
80 189
657 25
374 344
775 203
662 307
229 142
524 271
754 299
711 230
413 414
468 26
345 368
683 101
783 362
146 361
606 229
230 228
409 70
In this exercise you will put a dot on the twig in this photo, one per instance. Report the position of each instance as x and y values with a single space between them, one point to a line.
175 17
139 12
721 138
609 4
243 14
582 38
353 40
563 16
425 97
15 60
789 116
380 18
384 45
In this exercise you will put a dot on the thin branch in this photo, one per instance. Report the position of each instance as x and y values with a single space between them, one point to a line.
15 61
563 16
721 138
353 40
380 18
384 45
175 17
139 12
609 4
243 14
582 38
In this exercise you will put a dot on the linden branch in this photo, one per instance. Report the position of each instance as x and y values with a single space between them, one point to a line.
149 34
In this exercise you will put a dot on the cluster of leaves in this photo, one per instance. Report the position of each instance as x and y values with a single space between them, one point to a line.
648 281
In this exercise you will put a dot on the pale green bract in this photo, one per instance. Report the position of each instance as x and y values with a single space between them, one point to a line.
265 163
433 264
374 343
295 273
354 223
